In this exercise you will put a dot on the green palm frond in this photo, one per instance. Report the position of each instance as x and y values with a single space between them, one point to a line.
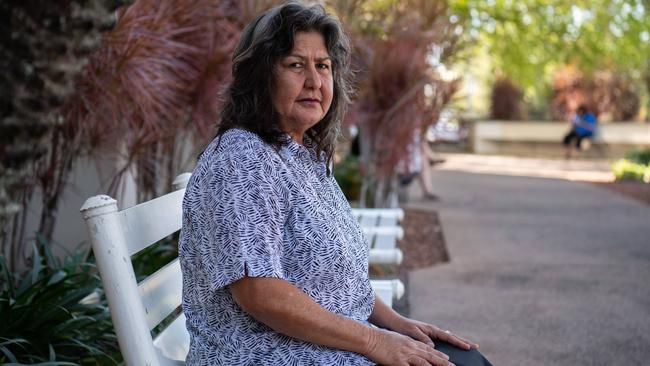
42 318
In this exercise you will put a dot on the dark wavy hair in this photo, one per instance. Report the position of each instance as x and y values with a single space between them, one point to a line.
264 41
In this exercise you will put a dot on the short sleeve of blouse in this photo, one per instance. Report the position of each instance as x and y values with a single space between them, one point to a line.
245 216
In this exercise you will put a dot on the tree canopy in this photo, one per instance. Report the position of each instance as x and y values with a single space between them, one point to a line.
528 39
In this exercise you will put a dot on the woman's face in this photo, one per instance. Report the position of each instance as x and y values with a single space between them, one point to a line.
303 84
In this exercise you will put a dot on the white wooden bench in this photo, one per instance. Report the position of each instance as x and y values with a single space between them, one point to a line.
382 230
137 308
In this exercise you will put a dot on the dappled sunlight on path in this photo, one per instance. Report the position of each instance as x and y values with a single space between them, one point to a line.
573 170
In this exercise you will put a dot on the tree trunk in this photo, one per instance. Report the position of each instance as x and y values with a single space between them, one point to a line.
382 191
367 166
386 193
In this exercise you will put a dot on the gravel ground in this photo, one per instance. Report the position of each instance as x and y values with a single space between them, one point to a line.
424 242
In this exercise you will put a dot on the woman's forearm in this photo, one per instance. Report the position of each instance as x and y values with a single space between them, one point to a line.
289 311
384 316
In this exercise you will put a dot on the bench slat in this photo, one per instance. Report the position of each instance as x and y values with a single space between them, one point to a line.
384 237
151 221
397 213
367 221
174 341
380 226
385 256
395 231
387 221
388 241
161 293
388 290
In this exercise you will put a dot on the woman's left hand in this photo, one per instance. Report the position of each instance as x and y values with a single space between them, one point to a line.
425 333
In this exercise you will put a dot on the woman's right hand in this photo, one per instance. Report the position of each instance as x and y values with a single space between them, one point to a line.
393 349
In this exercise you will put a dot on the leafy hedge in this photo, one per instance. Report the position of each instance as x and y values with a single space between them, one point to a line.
55 312
635 166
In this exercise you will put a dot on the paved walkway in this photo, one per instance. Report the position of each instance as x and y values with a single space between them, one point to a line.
543 271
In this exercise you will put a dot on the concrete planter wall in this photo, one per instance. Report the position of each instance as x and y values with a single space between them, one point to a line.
544 139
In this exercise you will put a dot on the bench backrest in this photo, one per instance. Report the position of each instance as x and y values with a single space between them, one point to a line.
138 308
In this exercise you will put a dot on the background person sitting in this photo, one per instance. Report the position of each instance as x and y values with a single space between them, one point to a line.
583 125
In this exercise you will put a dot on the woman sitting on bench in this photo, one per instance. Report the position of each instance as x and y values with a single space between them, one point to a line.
275 266
583 125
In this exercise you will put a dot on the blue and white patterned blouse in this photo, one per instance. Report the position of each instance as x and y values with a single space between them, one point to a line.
251 210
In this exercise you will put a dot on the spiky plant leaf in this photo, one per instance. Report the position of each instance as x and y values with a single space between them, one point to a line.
158 74
46 322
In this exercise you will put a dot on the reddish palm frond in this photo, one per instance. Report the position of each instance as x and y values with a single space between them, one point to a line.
163 62
396 95
157 74
392 42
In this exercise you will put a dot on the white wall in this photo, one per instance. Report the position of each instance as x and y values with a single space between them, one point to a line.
89 177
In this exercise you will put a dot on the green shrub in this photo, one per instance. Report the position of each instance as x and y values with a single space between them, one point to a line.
46 316
348 177
625 169
43 318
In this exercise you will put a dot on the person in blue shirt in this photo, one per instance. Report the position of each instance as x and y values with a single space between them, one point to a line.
583 125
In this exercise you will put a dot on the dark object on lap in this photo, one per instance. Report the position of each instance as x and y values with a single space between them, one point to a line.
461 357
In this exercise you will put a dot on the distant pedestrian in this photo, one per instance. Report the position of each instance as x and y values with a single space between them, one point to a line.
583 125
416 164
